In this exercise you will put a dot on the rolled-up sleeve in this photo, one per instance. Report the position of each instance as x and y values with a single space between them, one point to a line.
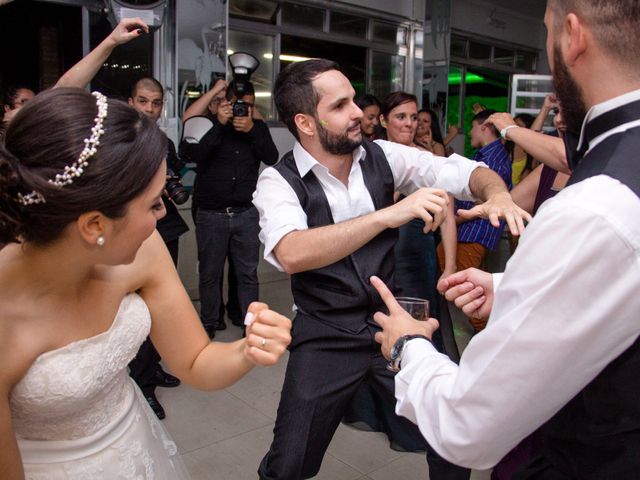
280 212
413 169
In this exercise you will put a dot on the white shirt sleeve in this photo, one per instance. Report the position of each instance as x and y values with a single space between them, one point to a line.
414 168
566 307
279 209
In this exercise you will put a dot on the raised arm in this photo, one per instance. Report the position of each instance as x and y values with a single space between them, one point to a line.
545 148
201 105
487 185
178 335
309 249
83 72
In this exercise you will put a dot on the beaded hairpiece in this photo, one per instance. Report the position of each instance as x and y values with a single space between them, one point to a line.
76 169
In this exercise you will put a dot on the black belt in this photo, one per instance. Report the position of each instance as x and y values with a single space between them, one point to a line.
229 210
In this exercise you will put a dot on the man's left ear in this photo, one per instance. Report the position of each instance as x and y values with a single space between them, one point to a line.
576 39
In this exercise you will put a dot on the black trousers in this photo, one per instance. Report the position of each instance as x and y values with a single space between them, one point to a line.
221 236
325 369
144 366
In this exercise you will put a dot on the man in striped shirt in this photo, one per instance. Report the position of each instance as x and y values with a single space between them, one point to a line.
475 237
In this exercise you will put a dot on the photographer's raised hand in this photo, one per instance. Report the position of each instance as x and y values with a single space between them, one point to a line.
225 112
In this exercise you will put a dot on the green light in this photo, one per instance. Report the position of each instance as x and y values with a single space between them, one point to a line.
454 78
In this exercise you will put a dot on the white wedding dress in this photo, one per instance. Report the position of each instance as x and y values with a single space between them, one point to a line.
78 416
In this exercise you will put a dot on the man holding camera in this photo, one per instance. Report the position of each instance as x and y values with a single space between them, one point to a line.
228 159
147 96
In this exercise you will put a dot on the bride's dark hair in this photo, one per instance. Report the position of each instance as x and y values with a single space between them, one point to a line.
46 135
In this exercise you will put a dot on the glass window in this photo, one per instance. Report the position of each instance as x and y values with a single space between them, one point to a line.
526 61
302 16
261 47
125 65
458 47
349 25
351 58
260 10
503 56
389 33
387 73
479 51
453 108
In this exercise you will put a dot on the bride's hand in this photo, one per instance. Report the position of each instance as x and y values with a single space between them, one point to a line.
268 335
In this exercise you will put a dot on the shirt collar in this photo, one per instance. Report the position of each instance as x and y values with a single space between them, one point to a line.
488 147
305 161
607 106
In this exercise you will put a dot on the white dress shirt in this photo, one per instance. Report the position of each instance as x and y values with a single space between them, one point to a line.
281 213
566 306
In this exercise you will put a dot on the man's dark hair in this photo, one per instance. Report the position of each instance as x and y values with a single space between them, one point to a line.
148 83
294 92
614 24
482 115
367 100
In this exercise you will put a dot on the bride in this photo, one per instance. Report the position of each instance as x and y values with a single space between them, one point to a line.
84 277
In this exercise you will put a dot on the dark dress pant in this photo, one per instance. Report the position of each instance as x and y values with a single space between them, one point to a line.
221 236
325 369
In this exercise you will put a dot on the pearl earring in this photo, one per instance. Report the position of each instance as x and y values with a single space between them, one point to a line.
100 241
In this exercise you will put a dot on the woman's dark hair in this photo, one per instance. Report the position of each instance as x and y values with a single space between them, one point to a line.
366 100
436 133
46 135
526 119
390 102
294 93
10 94
395 99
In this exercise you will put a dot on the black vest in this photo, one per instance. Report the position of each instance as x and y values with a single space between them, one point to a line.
597 434
340 294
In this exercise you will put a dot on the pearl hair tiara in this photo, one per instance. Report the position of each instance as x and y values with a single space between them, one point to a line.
76 169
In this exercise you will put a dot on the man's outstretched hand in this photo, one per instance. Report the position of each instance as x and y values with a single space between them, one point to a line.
498 206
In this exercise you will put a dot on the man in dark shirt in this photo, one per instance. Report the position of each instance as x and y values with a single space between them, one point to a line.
147 97
228 160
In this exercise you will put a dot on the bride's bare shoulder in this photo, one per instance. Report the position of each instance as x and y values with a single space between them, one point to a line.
152 260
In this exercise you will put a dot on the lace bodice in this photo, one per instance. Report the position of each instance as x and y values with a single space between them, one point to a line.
75 390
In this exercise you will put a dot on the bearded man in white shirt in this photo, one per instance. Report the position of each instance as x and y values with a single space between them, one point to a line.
327 217
561 349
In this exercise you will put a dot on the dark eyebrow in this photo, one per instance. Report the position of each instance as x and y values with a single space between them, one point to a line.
338 102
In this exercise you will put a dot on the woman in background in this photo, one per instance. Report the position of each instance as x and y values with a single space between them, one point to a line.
369 123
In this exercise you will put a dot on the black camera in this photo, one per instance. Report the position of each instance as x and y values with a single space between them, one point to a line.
177 193
240 108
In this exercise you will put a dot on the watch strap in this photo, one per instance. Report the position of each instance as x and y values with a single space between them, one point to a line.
503 132
398 349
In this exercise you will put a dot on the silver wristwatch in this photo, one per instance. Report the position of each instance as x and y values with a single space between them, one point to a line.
398 348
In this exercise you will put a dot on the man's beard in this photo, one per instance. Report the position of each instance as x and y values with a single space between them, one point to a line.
569 94
337 144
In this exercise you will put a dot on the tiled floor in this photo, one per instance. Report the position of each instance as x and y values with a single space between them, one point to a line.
224 435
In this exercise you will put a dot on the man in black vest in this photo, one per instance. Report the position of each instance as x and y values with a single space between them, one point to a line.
327 217
561 350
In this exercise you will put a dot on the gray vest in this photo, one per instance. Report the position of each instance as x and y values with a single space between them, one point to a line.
340 294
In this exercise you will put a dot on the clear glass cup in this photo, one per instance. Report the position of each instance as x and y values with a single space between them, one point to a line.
418 308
